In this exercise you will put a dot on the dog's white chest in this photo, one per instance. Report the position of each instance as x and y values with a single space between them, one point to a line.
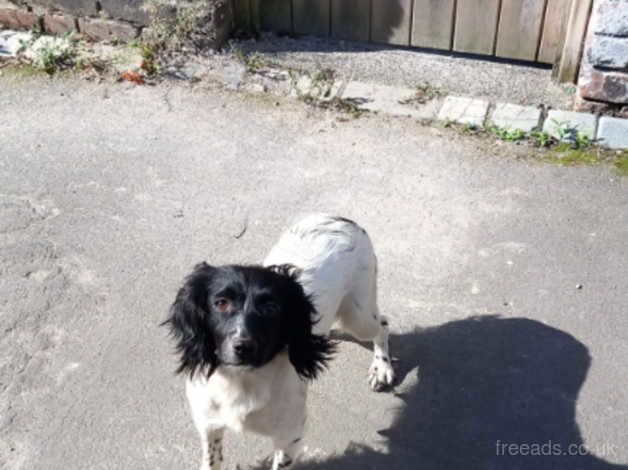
256 400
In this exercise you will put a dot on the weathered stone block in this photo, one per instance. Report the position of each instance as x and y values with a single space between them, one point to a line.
609 52
613 132
130 10
464 111
512 116
612 18
599 107
14 18
59 24
581 122
603 86
395 101
99 29
74 7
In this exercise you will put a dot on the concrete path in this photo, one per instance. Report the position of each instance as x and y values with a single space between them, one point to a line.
505 280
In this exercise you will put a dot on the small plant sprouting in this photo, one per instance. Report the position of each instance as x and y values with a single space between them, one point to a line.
571 135
542 139
150 64
348 106
621 163
50 53
322 83
424 93
253 62
181 24
507 134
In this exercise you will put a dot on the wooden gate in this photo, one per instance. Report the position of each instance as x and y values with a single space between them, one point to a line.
530 30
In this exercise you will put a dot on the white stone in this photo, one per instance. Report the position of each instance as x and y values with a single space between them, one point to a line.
461 110
613 132
512 116
395 101
12 41
568 120
232 75
255 88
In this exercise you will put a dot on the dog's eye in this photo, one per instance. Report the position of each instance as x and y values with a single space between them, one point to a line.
270 308
222 305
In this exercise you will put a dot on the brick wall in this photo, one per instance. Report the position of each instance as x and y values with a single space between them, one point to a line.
603 81
94 19
104 19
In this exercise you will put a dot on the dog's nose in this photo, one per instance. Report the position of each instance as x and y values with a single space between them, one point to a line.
244 347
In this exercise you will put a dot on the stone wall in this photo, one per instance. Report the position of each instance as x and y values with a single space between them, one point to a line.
98 20
94 19
603 81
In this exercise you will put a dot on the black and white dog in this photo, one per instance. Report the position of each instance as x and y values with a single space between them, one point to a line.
250 337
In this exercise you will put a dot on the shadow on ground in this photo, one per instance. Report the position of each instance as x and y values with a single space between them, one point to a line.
483 380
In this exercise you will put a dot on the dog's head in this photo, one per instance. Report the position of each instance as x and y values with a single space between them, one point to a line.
243 316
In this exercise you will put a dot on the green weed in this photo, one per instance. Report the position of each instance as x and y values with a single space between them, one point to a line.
542 139
507 134
621 163
571 135
424 93
51 54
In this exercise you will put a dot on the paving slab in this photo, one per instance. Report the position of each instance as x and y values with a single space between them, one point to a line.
464 111
512 116
395 101
613 132
581 122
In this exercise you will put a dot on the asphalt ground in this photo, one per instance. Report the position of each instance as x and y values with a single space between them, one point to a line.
504 278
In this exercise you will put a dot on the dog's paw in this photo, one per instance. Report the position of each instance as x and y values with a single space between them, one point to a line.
381 374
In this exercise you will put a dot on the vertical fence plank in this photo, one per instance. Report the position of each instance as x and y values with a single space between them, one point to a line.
476 21
390 21
241 14
519 29
276 16
255 9
569 63
556 17
350 19
433 23
311 17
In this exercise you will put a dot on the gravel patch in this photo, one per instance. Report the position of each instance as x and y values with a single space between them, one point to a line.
474 77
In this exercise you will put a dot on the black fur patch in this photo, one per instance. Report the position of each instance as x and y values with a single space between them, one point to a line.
187 323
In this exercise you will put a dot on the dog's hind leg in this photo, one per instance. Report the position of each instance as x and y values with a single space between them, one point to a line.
381 372
359 316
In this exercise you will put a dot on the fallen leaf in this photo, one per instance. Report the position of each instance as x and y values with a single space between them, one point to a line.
132 77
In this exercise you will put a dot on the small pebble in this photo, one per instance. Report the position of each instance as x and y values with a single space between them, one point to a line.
579 286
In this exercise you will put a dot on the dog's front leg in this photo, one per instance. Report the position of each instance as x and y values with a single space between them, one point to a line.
286 453
211 445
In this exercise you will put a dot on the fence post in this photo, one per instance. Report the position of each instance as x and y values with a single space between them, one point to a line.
568 63
255 15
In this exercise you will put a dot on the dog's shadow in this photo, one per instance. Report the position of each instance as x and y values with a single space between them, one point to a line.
484 383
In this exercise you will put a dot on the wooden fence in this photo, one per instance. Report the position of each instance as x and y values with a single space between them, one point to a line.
530 30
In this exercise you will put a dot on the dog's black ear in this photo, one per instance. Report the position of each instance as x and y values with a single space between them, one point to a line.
189 325
308 353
